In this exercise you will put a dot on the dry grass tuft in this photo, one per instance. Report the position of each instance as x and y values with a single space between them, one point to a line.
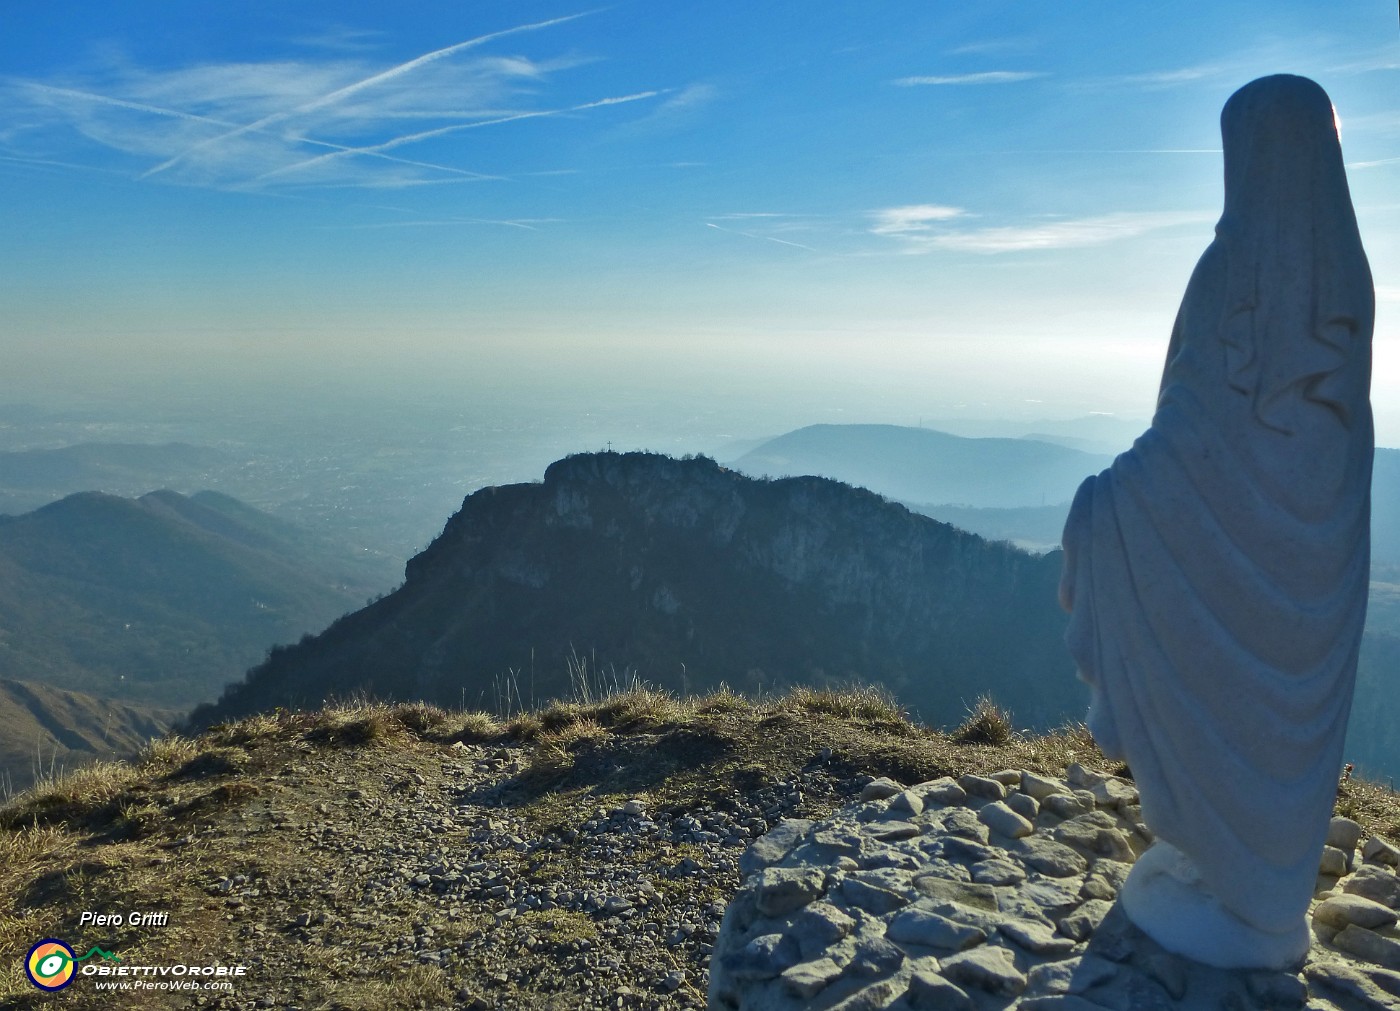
640 708
420 718
418 986
474 726
722 700
257 729
356 725
866 703
1375 807
987 723
558 715
553 755
166 752
69 797
525 727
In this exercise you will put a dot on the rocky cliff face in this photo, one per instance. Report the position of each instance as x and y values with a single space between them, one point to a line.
689 574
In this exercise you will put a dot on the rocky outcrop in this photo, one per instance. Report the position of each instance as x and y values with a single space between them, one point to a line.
690 575
999 892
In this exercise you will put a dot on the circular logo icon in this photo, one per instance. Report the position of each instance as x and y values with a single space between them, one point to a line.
50 964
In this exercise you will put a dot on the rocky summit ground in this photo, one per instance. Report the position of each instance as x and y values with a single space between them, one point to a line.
372 856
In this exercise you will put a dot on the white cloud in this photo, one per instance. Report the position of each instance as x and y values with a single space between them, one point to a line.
985 77
1181 75
1372 164
257 125
913 219
992 46
340 94
924 235
1387 293
321 161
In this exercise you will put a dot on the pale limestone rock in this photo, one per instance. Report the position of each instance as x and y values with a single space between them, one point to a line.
987 968
981 786
818 927
1066 805
1334 862
1216 572
997 872
940 791
1341 910
784 889
922 926
1038 938
1051 858
1094 834
1082 778
1004 821
963 893
1374 883
874 956
875 997
1041 787
1025 805
928 992
959 821
1377 850
1082 923
1114 793
908 800
807 979
880 789
1378 990
1343 833
763 957
893 830
871 897
772 847
1369 945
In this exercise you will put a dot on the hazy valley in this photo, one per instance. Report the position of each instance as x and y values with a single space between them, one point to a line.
167 599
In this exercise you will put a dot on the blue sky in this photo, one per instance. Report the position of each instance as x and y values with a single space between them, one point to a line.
905 207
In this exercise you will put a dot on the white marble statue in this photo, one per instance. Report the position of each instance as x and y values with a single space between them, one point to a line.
1216 574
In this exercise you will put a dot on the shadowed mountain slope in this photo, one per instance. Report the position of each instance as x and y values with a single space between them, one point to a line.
32 478
44 728
693 575
161 599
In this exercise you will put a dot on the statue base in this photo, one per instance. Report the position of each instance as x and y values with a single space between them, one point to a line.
1166 898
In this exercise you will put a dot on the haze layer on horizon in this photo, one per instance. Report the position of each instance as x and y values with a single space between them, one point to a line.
880 211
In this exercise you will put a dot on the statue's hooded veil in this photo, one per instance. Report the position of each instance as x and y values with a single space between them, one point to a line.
1218 571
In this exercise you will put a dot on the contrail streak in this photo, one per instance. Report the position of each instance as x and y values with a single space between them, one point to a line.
378 149
156 110
358 86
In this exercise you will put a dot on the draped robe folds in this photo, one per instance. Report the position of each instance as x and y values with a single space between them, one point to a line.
1217 572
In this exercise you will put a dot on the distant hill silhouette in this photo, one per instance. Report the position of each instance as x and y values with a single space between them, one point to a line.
162 599
929 467
992 486
692 575
43 729
33 478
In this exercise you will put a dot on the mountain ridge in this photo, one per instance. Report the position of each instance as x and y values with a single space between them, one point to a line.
690 574
160 599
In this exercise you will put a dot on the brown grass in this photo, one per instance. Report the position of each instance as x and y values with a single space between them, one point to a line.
986 723
105 835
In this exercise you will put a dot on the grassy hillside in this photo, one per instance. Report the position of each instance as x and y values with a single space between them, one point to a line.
162 599
384 857
43 730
